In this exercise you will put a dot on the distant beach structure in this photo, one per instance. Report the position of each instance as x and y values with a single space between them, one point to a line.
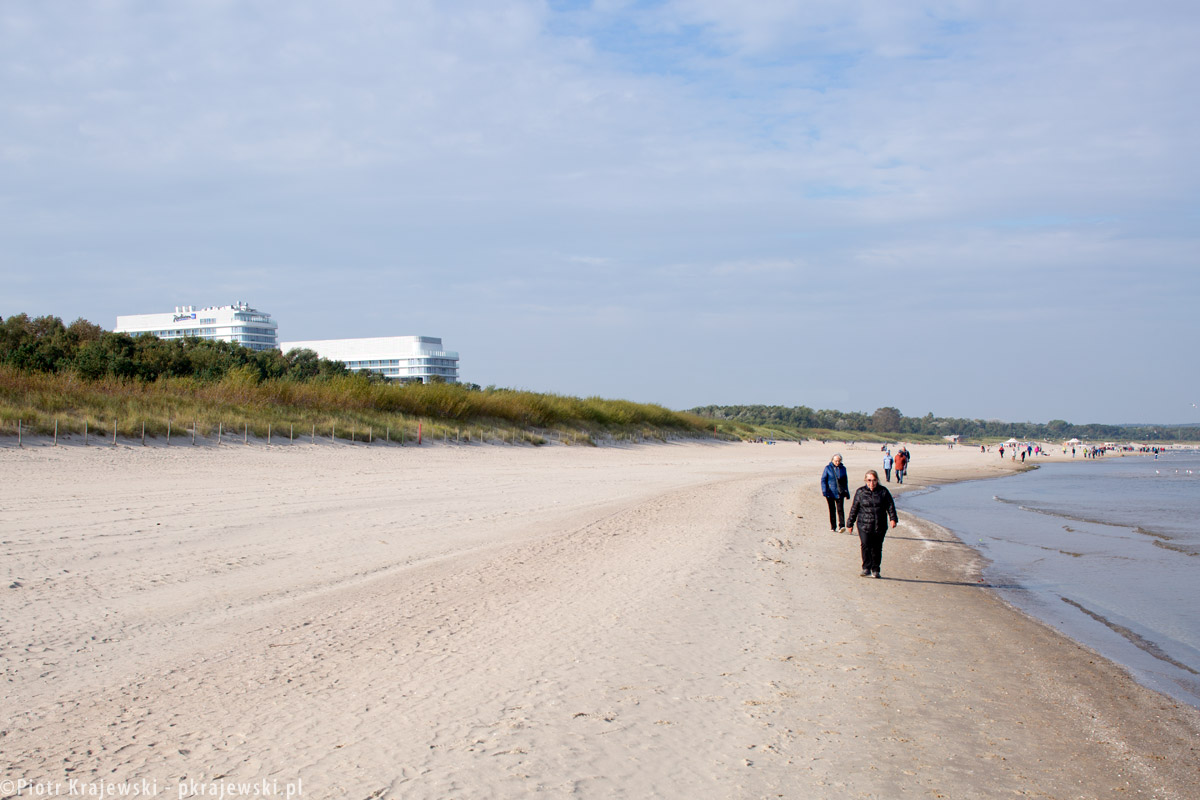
237 323
399 358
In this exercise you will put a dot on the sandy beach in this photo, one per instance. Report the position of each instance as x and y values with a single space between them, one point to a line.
669 620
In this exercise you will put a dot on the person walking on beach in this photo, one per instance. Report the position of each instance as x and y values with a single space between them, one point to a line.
900 463
836 488
887 467
872 509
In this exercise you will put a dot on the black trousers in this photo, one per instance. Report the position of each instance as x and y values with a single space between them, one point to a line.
837 512
872 547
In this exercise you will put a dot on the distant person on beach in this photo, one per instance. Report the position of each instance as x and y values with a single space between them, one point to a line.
836 488
900 463
872 509
887 467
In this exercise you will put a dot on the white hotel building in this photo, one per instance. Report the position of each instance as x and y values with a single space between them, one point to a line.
237 323
402 358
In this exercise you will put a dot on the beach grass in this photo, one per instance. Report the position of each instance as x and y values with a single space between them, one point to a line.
347 407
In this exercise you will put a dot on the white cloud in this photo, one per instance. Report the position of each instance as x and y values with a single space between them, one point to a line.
701 159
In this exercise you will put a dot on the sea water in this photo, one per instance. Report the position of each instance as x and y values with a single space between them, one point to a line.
1102 549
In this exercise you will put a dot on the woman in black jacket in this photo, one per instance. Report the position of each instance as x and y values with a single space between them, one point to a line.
873 507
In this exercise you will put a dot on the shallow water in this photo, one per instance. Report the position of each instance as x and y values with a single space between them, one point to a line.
1103 550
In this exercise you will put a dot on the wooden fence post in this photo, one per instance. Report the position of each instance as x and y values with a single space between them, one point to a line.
268 434
85 432
56 432
19 433
143 433
168 431
114 432
220 430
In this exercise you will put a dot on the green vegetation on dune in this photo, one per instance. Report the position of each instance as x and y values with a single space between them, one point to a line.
344 405
76 375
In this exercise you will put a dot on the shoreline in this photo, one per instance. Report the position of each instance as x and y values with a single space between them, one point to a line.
1039 604
634 619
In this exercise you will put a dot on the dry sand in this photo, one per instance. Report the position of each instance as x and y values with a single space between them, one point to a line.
657 621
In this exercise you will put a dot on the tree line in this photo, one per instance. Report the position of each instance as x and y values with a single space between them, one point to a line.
45 344
889 420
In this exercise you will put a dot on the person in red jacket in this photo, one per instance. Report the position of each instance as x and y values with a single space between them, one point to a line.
900 463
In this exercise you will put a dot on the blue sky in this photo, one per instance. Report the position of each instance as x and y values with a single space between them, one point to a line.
974 209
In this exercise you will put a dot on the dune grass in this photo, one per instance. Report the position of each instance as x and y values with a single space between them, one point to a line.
346 407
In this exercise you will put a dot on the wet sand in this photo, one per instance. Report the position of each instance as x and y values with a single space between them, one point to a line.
655 621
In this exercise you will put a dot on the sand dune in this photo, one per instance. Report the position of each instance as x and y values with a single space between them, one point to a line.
658 621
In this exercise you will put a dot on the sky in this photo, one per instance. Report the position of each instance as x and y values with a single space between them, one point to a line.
974 209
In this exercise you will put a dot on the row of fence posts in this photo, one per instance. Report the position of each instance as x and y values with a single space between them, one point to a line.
246 434
292 434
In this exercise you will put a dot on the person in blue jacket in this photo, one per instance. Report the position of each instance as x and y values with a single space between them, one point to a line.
836 488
